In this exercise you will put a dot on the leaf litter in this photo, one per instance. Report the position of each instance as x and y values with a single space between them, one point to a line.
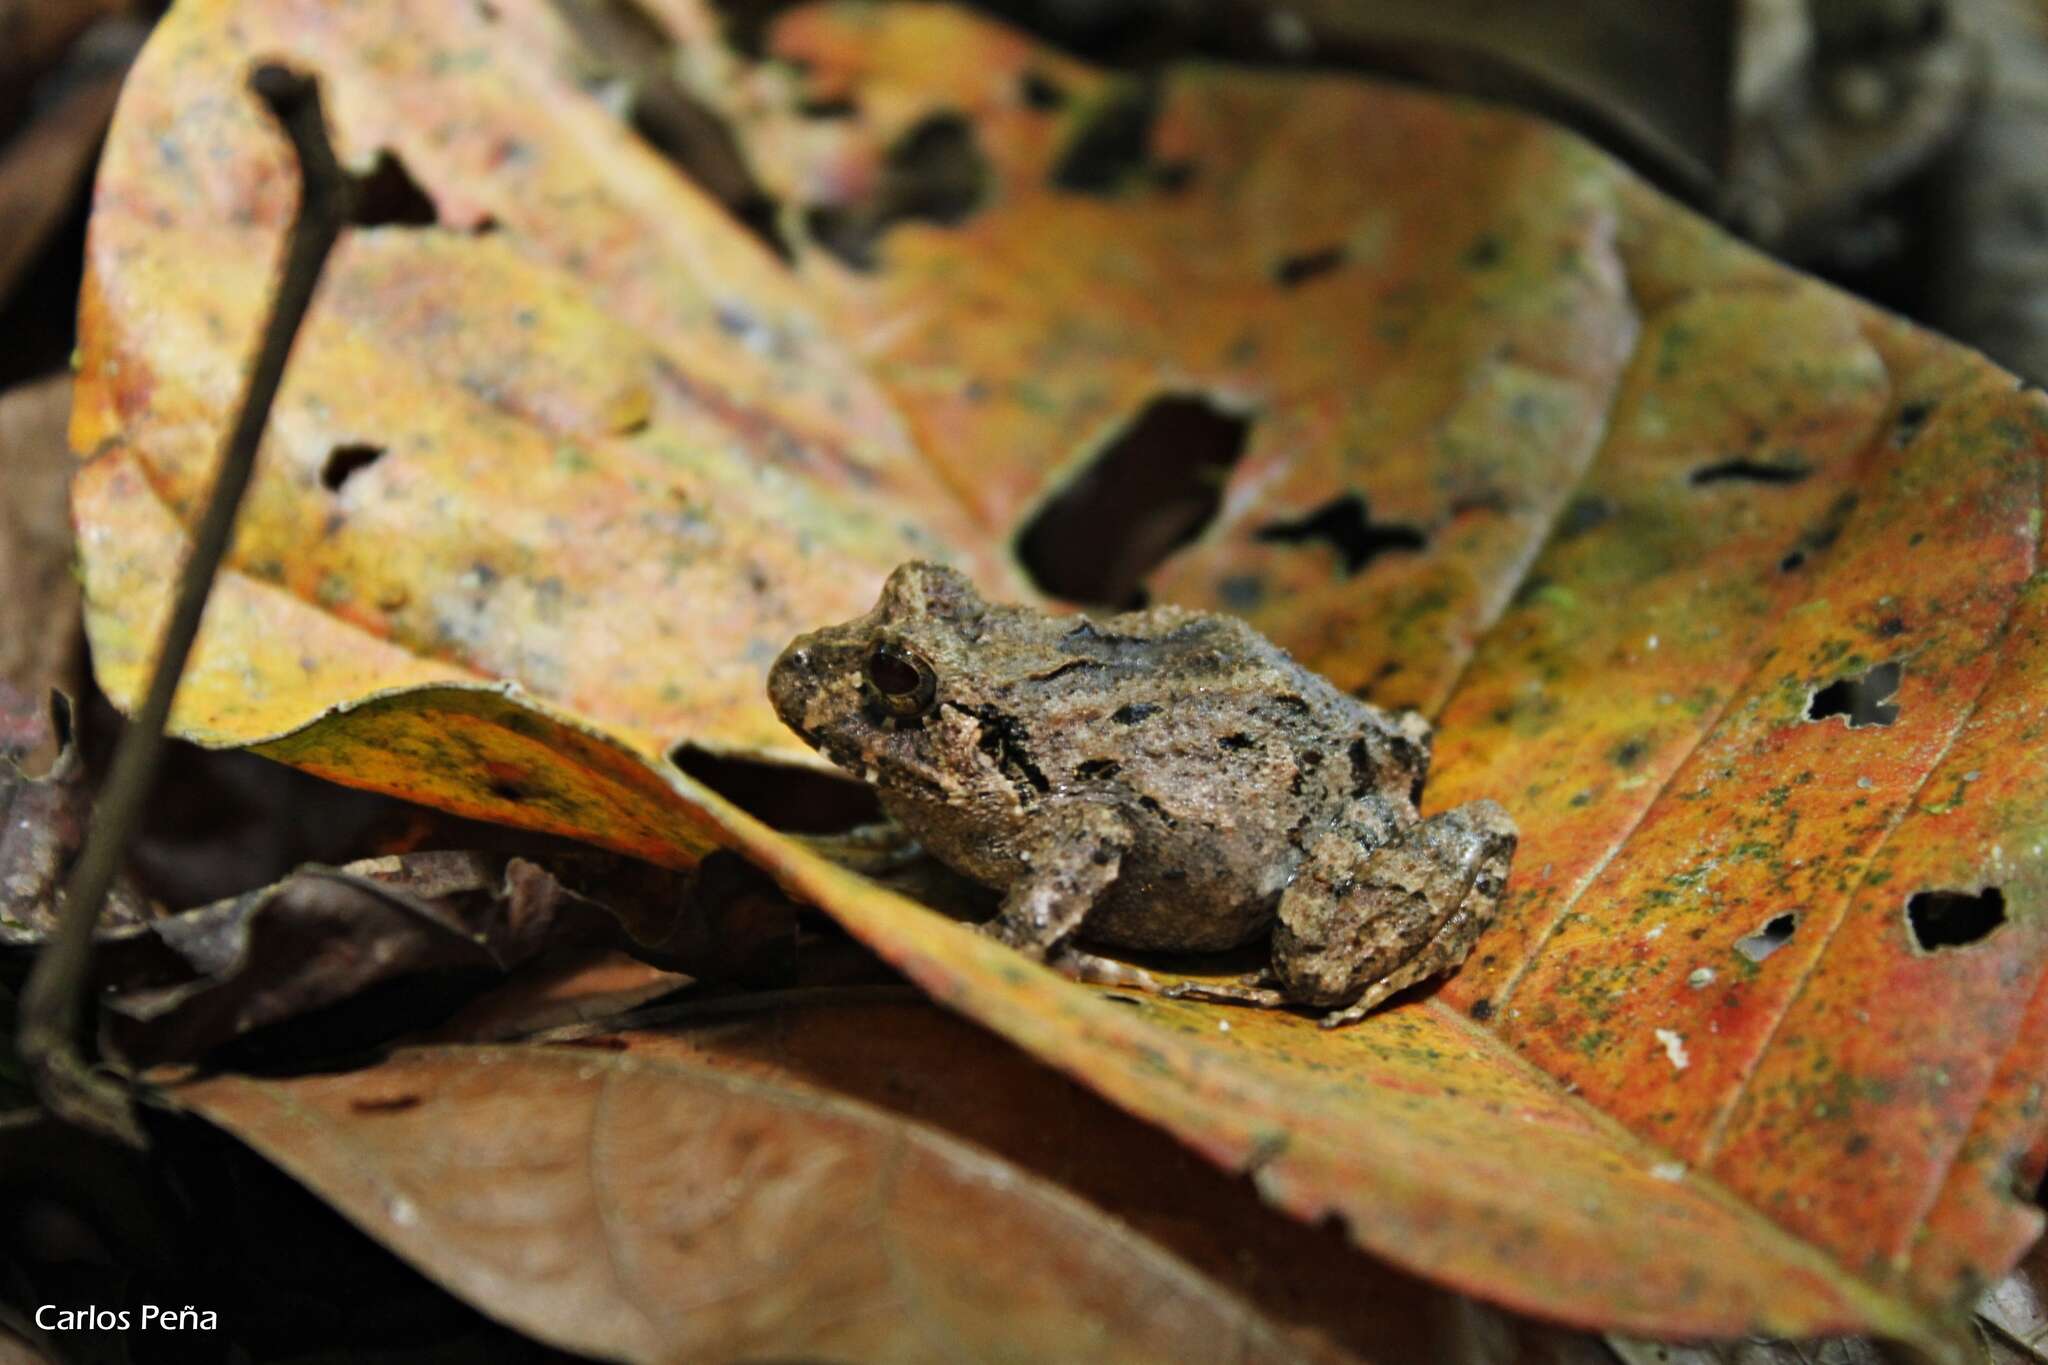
1614 497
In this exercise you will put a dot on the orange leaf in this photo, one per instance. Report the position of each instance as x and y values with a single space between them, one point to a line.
1727 586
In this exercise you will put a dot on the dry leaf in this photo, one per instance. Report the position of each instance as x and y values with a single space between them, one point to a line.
648 1210
1727 586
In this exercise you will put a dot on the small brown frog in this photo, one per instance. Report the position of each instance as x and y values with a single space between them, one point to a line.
1164 779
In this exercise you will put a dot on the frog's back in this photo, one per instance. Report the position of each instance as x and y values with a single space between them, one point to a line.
1223 754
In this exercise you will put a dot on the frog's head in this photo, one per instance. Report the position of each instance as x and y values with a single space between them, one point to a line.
872 694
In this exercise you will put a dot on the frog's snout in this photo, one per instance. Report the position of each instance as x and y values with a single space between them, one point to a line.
791 678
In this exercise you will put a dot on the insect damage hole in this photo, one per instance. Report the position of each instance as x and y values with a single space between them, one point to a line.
1865 700
1151 490
345 462
388 196
934 173
1751 471
1297 270
1775 933
1113 145
1345 524
1953 919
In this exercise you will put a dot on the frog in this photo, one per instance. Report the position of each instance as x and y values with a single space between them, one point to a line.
1158 780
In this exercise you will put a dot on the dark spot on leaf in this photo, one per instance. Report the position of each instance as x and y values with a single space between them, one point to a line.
1482 1010
1629 753
383 1104
1751 471
835 107
389 197
1582 515
344 461
1171 177
1112 144
1238 742
789 798
1863 700
1823 534
1487 251
506 790
1133 712
1151 490
934 173
1123 999
1775 934
1300 269
1098 768
1953 919
1891 627
1345 525
1912 417
1040 91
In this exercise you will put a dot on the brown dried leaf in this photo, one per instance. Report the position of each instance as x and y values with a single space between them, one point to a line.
545 1186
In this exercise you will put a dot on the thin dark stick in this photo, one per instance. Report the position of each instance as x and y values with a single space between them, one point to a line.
52 1003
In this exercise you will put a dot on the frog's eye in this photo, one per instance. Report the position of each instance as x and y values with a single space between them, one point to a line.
902 679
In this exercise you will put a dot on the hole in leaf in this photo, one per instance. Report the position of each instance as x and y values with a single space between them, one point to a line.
389 197
799 799
1776 932
1151 490
1300 269
1864 700
1112 146
1912 417
1751 471
1041 91
697 143
934 173
1953 919
344 462
1345 524
835 107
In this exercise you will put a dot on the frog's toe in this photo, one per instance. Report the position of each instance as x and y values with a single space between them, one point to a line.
1339 1018
1228 993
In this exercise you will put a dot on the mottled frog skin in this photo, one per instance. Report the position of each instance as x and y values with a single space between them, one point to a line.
1163 779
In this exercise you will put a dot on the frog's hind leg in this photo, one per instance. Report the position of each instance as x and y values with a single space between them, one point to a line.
1444 947
1261 988
1368 920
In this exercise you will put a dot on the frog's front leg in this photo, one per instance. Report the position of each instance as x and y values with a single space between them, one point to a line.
1367 918
1072 857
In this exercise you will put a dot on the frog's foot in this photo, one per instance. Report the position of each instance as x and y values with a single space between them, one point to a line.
1261 988
1104 971
1366 921
1070 862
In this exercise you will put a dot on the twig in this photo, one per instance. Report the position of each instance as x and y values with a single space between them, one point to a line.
52 1003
